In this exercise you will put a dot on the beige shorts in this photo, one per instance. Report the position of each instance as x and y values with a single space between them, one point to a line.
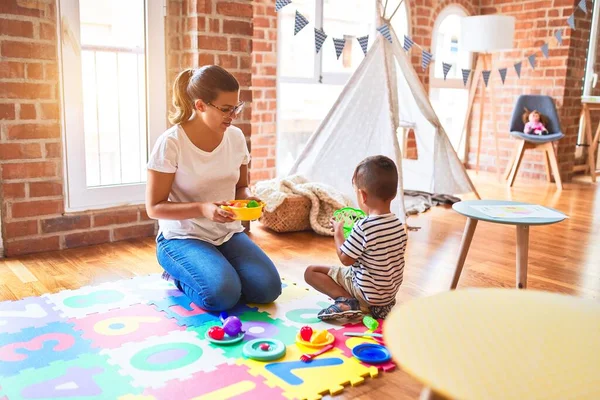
343 277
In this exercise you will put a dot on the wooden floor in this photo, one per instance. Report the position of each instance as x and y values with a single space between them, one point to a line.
563 258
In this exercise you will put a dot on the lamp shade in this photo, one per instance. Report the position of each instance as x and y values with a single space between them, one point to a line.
487 33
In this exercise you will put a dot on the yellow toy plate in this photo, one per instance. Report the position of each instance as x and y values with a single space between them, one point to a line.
330 340
244 213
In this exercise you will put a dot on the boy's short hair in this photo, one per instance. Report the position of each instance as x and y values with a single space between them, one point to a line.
378 176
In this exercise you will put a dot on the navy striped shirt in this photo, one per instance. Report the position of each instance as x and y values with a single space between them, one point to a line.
377 243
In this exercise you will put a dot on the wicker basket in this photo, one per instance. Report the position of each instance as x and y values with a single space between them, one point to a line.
292 215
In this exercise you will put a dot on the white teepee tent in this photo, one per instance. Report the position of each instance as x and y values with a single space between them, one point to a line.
383 94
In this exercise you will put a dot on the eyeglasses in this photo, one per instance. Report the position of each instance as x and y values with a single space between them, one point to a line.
230 111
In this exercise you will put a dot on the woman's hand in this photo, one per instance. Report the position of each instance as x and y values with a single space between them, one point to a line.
214 212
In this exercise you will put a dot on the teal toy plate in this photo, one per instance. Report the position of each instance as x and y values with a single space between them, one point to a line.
227 340
252 350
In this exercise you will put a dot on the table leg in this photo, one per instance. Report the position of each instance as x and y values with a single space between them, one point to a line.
428 394
522 253
464 249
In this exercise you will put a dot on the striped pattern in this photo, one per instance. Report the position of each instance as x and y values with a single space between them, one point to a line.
385 32
377 243
518 68
279 4
582 4
571 21
532 60
364 43
320 37
545 50
446 68
299 23
558 36
465 74
408 43
339 46
426 59
502 72
486 76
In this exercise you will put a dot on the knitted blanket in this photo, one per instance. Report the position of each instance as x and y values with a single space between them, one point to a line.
324 199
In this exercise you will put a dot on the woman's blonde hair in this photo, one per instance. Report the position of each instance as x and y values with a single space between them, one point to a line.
204 83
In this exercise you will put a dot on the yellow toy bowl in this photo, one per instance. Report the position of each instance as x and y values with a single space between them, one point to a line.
330 339
244 213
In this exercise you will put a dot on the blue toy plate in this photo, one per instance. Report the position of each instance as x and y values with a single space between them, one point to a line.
371 353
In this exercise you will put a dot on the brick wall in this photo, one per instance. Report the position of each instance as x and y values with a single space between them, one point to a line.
558 76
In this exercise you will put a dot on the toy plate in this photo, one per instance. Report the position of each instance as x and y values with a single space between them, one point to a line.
226 339
252 349
371 353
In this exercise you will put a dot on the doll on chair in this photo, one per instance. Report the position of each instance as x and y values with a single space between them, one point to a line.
534 123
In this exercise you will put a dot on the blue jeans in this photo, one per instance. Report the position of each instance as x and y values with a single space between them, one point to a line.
216 278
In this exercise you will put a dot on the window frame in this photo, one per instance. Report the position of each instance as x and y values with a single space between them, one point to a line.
588 79
78 196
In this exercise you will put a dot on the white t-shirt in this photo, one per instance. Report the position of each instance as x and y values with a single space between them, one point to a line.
200 176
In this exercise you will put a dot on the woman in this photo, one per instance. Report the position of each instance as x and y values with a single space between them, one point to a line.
195 166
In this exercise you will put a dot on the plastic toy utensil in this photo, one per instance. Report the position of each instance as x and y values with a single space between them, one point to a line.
308 357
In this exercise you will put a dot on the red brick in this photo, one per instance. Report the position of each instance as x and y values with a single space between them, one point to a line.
241 45
65 223
228 61
18 151
36 208
18 7
34 131
133 232
27 111
13 190
21 228
53 150
261 22
203 6
206 59
11 27
28 50
212 42
244 78
115 218
35 71
7 111
28 246
235 9
246 95
45 189
49 111
51 72
237 27
12 69
44 169
215 25
262 46
47 31
86 238
25 90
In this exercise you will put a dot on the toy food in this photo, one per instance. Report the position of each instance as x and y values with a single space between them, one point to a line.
306 333
216 332
320 337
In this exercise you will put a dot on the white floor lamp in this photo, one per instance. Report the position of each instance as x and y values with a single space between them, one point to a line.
484 35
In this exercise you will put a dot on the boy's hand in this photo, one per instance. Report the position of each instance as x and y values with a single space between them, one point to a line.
337 225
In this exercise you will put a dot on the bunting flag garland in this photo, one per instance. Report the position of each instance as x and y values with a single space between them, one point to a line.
545 50
279 4
446 68
571 21
465 75
583 6
558 36
320 37
427 56
408 43
532 60
339 46
518 68
502 72
486 76
299 23
385 32
364 43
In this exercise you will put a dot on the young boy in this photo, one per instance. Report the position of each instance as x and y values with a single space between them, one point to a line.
373 254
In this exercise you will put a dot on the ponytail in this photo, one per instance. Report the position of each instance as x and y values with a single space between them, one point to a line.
184 107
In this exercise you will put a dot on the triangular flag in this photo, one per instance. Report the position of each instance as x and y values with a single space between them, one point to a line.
279 4
545 50
571 21
583 6
339 46
446 68
502 72
408 43
320 37
558 35
385 32
427 56
518 68
300 22
486 76
532 60
465 74
364 43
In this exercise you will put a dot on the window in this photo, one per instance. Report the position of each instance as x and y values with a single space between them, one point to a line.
309 83
450 97
591 87
114 93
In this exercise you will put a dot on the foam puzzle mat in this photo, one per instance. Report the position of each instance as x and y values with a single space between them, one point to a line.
142 339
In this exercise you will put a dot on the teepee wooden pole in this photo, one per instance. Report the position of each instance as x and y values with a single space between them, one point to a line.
396 10
384 9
